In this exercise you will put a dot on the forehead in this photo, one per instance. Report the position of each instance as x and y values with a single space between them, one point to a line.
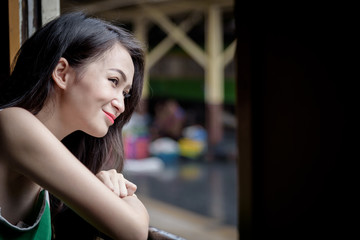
117 57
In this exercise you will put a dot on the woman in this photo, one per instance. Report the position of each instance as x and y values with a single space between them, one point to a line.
76 80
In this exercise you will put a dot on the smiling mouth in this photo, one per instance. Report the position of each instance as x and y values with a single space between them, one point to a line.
110 116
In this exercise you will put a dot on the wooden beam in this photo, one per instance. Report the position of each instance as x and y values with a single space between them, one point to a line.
176 34
126 10
168 9
229 53
99 6
165 45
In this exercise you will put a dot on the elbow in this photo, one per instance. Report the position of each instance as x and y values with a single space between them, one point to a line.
139 234
136 225
142 230
139 231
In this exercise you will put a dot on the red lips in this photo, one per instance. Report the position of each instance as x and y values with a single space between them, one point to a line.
110 116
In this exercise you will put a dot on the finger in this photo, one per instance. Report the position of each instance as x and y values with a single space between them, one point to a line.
122 185
115 181
131 187
105 179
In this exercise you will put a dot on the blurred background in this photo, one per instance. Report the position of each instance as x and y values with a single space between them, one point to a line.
180 144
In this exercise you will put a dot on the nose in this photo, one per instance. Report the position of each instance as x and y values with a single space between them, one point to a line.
118 104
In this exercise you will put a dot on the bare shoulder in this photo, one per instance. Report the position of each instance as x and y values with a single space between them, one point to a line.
14 112
17 118
17 125
12 115
14 120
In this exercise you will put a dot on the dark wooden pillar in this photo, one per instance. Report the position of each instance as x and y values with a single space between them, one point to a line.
294 89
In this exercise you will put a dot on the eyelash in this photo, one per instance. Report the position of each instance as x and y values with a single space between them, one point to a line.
114 80
126 94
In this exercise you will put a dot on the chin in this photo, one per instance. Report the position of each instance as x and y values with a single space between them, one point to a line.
98 133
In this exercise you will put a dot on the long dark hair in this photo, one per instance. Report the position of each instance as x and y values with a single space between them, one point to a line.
81 40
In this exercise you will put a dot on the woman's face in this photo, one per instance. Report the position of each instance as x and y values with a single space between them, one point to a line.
95 97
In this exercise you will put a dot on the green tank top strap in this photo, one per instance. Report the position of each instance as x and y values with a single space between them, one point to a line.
40 229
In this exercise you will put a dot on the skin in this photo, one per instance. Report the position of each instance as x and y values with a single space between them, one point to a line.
83 100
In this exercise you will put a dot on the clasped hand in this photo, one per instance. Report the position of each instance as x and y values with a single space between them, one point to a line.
117 183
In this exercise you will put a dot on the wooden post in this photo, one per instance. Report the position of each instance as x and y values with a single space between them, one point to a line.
214 75
14 29
140 32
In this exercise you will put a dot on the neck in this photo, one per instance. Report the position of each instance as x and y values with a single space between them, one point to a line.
51 117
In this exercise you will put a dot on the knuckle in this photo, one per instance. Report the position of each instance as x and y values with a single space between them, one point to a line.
101 174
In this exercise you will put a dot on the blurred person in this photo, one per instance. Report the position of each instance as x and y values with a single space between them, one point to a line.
169 120
75 83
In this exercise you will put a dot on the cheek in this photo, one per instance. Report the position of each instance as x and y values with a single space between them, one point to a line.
92 91
89 93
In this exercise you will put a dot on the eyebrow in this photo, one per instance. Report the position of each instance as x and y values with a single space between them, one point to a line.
120 72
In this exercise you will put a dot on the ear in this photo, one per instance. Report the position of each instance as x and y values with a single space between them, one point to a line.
60 75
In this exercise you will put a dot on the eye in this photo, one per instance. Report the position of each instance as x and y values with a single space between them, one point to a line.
114 80
126 94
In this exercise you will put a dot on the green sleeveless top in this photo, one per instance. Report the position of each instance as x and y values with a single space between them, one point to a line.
41 223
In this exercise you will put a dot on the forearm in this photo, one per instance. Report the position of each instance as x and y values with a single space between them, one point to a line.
119 218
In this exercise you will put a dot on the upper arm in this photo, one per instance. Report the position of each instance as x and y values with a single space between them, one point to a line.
32 150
